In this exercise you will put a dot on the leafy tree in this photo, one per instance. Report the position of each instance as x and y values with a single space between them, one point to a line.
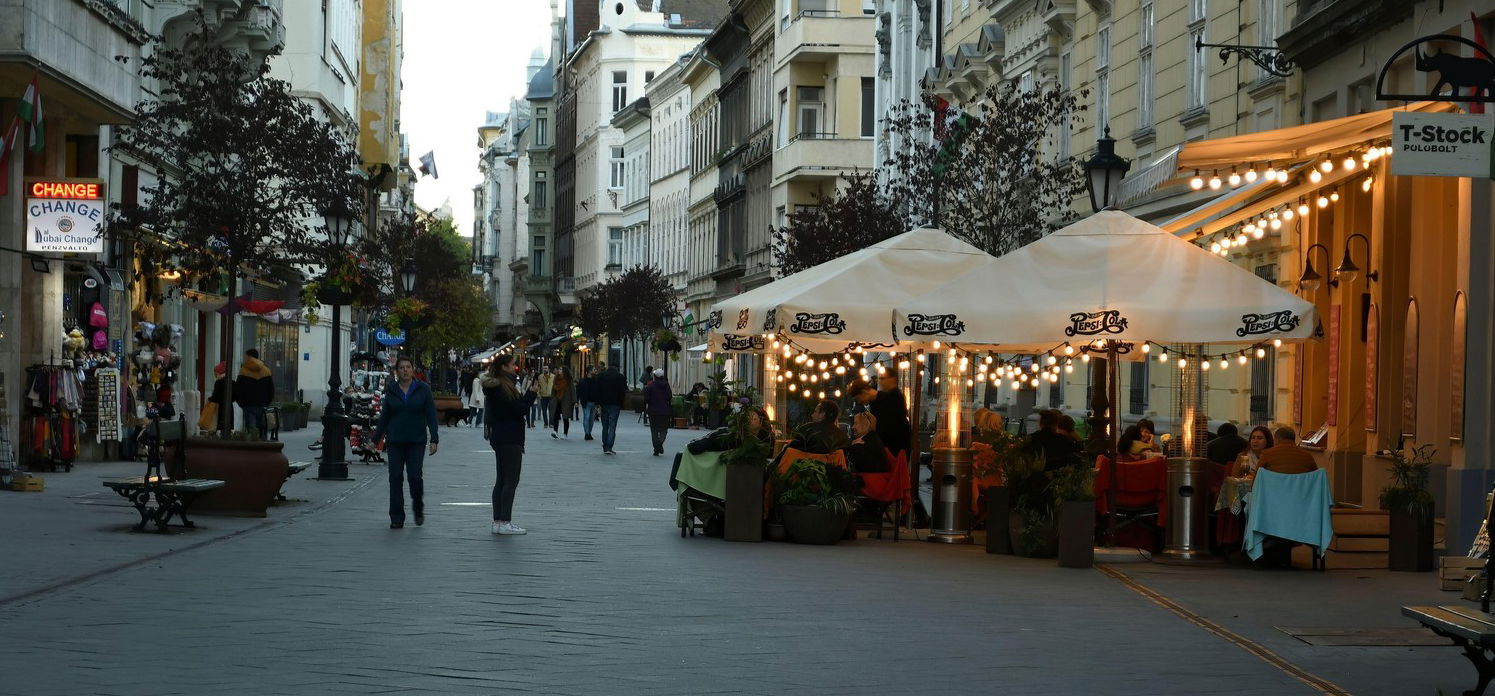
247 171
459 314
629 305
845 220
993 180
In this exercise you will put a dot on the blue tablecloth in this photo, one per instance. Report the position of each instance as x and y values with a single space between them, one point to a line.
1289 506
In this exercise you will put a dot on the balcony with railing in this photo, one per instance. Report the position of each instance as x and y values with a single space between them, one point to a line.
816 34
820 154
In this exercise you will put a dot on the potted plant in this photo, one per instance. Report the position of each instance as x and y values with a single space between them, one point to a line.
990 450
665 341
746 464
1032 531
680 410
252 471
1411 506
814 509
1074 487
716 398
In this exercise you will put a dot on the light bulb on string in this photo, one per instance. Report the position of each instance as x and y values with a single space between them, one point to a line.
1287 213
823 364
807 393
936 345
1314 177
1035 382
1275 224
1365 185
789 374
822 395
1241 359
840 369
1235 179
1323 202
1204 364
1197 182
988 359
1250 175
902 364
1085 358
1033 367
1163 357
920 358
936 379
1303 209
1349 164
1261 353
825 375
1214 182
1334 196
1069 369
1224 364
1053 360
970 383
1276 343
1326 166
1182 363
1069 349
838 393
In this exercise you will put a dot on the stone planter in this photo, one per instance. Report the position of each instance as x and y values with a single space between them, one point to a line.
252 473
1077 534
998 529
448 403
812 524
1411 542
775 531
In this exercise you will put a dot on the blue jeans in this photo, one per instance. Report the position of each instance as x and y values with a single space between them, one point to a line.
546 417
254 417
610 425
405 458
588 412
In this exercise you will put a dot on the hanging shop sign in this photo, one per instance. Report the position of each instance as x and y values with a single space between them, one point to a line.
1426 144
65 216
1457 73
384 337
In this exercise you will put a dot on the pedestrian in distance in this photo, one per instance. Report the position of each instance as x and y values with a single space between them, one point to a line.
408 415
475 403
586 393
563 395
648 376
507 404
544 386
612 387
657 404
254 390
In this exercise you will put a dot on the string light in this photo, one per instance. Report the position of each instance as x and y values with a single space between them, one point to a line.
1069 349
838 393
1250 176
1214 182
903 364
1197 182
1276 343
1163 357
1303 209
1053 360
1242 359
1069 368
1326 166
1204 364
1315 177
1235 179
1146 348
1183 362
1349 164
1287 213
1323 202
1261 352
1334 196
1365 185
920 358
1224 364
1085 358
936 345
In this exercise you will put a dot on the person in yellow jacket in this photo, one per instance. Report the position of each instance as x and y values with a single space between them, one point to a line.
254 390
545 387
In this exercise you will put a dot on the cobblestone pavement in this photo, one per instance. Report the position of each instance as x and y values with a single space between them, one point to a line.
604 597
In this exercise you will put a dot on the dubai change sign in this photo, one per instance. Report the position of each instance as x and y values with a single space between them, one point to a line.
65 216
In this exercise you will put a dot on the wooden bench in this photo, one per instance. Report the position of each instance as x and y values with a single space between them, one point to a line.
1470 629
291 470
171 497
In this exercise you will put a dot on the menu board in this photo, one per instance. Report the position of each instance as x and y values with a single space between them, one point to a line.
108 404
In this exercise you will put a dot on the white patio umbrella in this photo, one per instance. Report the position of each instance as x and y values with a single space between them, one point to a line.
847 300
1112 277
1108 277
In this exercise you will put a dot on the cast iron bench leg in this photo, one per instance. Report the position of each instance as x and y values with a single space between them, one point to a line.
140 498
1483 664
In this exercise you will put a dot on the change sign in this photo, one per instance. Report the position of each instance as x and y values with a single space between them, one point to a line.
1441 144
65 216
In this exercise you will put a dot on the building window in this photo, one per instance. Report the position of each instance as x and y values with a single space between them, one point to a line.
1198 69
618 169
1145 69
1137 391
869 106
869 7
537 263
811 111
537 201
1025 81
1056 394
614 246
784 13
1198 11
648 76
1266 28
620 90
542 131
1103 77
783 117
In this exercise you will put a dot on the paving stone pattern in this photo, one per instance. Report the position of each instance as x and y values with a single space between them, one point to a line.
601 597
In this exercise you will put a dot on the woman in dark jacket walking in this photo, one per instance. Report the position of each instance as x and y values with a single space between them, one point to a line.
409 413
657 404
505 410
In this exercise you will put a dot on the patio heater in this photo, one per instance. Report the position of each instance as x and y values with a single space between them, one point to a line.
951 460
1188 491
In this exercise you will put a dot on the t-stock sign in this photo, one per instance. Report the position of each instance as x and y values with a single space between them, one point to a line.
1442 144
65 216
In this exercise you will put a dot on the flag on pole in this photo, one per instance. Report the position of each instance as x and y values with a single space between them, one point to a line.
30 111
951 126
428 165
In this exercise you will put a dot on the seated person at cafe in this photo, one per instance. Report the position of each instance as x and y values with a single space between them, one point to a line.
1259 442
726 437
1226 446
1126 446
822 434
1058 449
1147 442
1066 427
1286 457
866 453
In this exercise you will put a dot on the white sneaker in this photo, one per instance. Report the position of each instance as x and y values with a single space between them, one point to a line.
508 529
497 528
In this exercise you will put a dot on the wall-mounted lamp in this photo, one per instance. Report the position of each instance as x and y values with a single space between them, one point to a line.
1347 268
1311 279
40 265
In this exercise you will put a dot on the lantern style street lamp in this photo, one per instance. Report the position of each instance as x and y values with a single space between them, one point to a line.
334 464
407 276
1104 172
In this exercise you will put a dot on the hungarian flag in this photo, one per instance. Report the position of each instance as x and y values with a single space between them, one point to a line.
951 126
31 112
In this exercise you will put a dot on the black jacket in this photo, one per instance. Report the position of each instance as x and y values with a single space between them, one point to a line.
1225 449
504 417
611 388
891 412
586 390
721 440
819 438
869 456
1058 450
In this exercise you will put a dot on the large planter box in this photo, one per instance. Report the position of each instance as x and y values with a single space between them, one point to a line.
744 520
998 507
810 524
1077 534
252 473
1411 542
448 403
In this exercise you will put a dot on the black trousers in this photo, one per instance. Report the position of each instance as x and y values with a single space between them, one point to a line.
659 426
509 459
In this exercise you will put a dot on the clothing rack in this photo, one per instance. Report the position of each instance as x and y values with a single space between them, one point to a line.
53 399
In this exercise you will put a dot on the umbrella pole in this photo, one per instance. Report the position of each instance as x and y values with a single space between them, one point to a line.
1112 423
915 410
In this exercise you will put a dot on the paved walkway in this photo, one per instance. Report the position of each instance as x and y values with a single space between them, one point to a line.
604 597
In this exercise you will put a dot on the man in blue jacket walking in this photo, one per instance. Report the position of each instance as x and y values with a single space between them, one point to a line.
409 414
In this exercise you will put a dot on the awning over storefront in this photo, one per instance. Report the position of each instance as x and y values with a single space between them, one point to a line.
486 355
1295 143
698 349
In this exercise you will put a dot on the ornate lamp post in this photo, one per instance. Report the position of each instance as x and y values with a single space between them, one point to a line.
1103 173
334 464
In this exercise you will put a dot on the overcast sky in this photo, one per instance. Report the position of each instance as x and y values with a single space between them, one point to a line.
462 58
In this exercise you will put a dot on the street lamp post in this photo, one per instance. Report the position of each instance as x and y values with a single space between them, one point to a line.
407 283
1103 174
334 464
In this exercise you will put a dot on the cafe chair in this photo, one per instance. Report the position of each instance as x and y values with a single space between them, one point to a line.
1141 500
888 493
697 509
